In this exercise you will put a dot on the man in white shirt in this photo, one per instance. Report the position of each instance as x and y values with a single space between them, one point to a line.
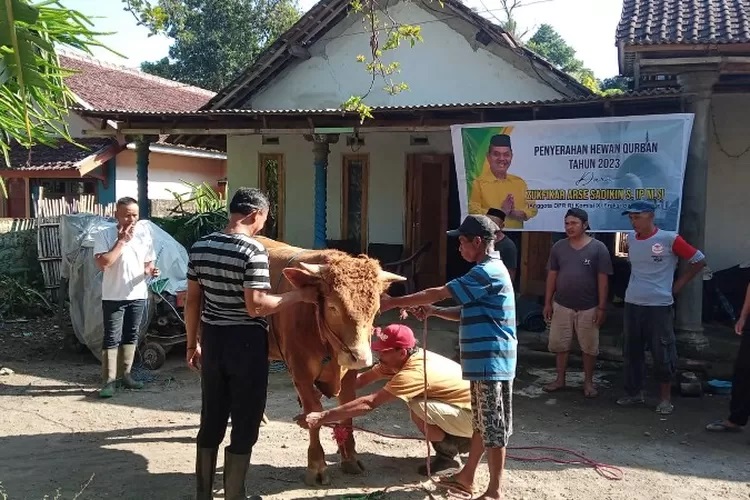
126 256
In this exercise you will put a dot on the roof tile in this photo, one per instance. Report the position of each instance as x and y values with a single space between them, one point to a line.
62 157
649 22
105 85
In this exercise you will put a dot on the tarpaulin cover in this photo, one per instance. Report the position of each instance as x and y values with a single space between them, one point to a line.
85 279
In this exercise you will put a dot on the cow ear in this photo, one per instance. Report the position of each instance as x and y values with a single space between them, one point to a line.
300 278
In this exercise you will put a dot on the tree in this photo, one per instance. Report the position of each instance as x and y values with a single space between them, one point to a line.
548 43
616 85
33 95
216 39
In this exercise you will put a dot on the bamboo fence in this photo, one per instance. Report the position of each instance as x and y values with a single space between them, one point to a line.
48 215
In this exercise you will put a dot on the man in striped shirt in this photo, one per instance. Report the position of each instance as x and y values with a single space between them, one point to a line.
228 298
487 340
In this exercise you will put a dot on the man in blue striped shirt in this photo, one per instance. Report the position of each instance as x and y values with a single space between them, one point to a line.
487 340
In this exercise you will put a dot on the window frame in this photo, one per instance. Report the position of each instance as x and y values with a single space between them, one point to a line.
262 181
346 161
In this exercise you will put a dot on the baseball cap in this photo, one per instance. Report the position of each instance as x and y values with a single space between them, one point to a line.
639 207
476 225
578 213
393 336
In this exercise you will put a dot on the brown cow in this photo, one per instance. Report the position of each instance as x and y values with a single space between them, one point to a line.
339 328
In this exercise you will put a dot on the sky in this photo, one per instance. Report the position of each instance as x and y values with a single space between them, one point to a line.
587 25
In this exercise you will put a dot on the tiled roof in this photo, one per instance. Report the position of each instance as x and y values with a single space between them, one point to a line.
326 14
105 85
649 22
62 157
646 94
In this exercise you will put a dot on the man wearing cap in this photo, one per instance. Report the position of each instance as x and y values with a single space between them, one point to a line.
649 318
504 245
488 345
575 301
447 420
495 187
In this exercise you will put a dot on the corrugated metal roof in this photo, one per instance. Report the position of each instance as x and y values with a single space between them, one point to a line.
655 93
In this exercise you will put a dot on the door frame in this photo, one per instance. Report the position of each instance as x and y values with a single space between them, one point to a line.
412 197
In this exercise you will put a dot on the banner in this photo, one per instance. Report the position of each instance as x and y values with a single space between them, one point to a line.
536 170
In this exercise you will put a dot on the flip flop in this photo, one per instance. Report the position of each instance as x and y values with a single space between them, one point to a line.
720 426
454 488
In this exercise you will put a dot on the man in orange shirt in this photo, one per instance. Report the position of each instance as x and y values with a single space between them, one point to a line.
448 420
495 187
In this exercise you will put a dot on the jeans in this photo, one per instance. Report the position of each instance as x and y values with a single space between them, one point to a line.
739 406
648 327
234 381
122 320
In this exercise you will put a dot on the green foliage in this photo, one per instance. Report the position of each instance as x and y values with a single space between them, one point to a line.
21 280
197 214
616 84
549 44
33 96
214 40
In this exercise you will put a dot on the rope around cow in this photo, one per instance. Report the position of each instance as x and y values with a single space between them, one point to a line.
341 433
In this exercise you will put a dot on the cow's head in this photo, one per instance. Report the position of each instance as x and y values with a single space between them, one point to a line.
350 289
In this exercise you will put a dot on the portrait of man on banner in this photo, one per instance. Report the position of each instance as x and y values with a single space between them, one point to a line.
495 187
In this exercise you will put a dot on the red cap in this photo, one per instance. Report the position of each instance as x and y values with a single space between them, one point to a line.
393 337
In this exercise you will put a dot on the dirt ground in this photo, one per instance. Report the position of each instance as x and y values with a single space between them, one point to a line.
58 438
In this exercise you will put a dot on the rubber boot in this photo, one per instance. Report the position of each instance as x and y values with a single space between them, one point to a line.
128 354
109 373
205 471
445 457
235 470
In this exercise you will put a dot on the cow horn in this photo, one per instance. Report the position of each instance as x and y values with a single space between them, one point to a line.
313 269
390 277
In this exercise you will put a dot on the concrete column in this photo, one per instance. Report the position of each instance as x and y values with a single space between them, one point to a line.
321 150
689 304
142 153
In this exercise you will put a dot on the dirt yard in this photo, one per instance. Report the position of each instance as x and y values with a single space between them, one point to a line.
58 438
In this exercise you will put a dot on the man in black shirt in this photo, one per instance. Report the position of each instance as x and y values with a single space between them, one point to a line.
503 244
228 298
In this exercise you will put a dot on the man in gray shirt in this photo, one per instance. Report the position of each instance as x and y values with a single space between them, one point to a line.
576 297
504 245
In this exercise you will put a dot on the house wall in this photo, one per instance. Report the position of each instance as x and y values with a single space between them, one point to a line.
166 173
728 202
449 66
387 159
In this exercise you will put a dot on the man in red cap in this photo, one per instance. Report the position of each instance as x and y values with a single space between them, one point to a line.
447 420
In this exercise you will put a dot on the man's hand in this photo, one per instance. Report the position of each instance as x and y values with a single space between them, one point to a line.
423 312
152 270
508 204
125 234
311 420
740 326
194 357
600 316
547 312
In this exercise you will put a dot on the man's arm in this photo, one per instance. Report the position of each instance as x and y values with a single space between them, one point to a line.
423 298
353 409
696 263
262 303
448 313
742 320
602 282
105 256
368 377
193 305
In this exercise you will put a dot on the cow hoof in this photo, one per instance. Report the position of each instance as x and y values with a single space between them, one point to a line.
353 467
315 478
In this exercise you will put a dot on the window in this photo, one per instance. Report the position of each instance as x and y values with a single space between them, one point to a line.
621 244
271 181
356 173
70 189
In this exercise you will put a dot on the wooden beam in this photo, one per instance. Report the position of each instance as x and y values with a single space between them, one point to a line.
695 47
98 158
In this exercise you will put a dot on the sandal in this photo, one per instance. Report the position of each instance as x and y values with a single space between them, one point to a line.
454 488
721 426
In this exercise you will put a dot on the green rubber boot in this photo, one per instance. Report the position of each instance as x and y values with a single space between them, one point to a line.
128 354
109 373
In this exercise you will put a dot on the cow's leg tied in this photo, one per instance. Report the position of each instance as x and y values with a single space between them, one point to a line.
350 462
317 469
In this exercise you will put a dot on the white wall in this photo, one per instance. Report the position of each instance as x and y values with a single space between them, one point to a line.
728 203
387 157
448 67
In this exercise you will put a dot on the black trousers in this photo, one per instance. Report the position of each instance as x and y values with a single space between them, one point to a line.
739 407
648 327
234 381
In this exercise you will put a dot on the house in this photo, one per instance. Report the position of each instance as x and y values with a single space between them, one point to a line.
106 167
703 49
